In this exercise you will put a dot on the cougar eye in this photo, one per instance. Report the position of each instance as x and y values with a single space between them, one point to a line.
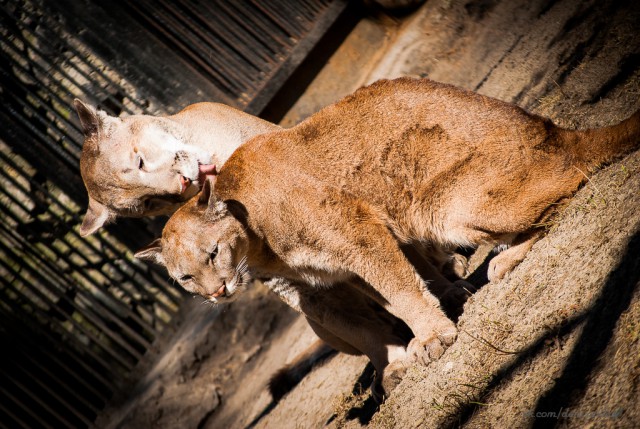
213 254
185 279
140 162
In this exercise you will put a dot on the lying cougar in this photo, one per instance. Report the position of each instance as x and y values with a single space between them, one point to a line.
399 161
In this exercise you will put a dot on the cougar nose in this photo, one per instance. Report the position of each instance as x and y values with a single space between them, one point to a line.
221 292
184 183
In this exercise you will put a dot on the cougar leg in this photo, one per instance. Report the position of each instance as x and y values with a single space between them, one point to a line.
353 238
376 258
452 296
333 340
351 322
508 259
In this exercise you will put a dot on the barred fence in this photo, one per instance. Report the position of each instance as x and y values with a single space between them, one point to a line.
77 315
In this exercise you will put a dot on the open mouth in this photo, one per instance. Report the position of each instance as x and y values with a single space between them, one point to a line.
220 293
205 170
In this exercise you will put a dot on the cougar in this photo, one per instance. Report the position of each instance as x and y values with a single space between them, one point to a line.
327 202
143 165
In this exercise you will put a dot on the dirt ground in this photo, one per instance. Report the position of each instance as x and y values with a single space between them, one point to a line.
555 343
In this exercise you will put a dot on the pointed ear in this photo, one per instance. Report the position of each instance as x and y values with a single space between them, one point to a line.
97 216
151 252
89 118
206 194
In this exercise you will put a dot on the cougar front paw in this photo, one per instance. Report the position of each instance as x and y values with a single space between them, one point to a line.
501 265
455 296
426 351
384 384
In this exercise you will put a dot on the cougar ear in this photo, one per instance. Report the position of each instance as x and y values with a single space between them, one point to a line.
214 207
151 252
207 196
97 216
89 118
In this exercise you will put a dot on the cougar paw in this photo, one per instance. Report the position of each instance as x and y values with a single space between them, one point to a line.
455 296
392 376
500 266
426 351
458 293
457 266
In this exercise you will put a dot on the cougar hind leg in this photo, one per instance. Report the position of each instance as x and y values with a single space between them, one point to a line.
443 270
356 324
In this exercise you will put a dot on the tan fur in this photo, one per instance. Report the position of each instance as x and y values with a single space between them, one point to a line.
170 147
329 201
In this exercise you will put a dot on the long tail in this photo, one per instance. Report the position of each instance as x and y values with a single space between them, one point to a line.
595 147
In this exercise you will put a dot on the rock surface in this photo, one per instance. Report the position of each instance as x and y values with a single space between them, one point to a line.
555 343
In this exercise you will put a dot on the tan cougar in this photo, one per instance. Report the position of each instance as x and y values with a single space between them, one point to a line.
399 161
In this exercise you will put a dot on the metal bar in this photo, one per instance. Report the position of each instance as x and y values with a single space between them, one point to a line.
211 23
254 28
314 6
139 287
69 161
236 41
64 38
159 25
78 360
242 32
54 395
15 418
35 272
261 23
36 96
69 124
27 410
36 399
46 300
286 40
297 54
41 313
296 13
114 301
200 43
292 29
8 323
58 382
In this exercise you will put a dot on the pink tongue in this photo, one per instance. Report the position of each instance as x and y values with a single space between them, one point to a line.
205 170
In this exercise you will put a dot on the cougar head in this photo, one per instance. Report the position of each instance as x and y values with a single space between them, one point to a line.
136 166
204 248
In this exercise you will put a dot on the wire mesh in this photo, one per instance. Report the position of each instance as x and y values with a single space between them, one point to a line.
78 314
